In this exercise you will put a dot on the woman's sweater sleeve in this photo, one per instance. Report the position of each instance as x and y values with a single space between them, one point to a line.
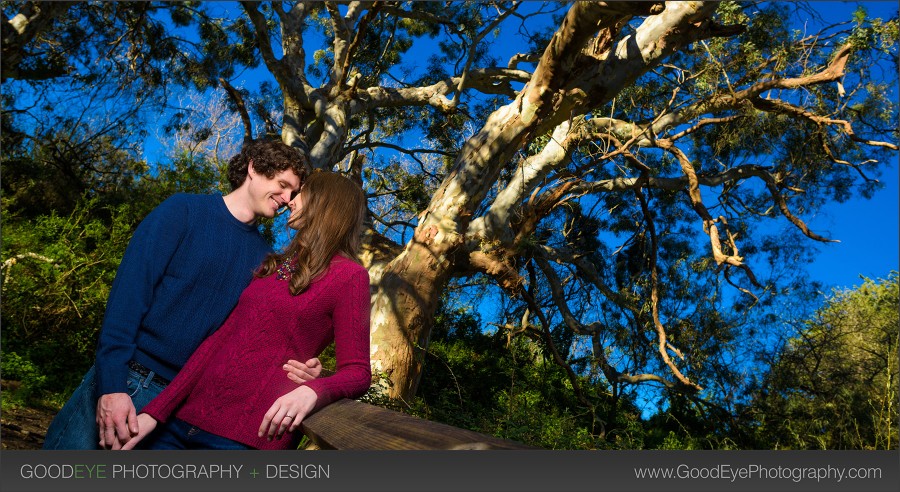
353 372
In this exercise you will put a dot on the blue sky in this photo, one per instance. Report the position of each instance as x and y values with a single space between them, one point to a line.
869 230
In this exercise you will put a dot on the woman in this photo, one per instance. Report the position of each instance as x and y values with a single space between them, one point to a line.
228 395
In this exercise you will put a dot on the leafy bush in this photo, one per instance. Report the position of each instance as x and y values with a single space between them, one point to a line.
15 367
835 384
56 278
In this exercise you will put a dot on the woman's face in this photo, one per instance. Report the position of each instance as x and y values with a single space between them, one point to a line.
296 206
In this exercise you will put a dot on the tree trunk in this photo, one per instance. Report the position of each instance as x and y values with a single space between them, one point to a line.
403 307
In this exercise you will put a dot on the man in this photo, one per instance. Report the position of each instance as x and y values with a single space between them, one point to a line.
182 273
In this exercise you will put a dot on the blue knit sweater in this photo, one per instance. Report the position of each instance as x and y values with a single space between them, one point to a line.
182 274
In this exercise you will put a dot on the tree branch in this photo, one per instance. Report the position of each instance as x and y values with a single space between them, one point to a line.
589 271
339 45
499 267
294 55
564 50
263 41
557 358
242 109
15 259
732 100
470 58
411 152
781 107
614 375
709 225
495 223
663 347
486 80
419 15
357 38
593 330
772 186
522 57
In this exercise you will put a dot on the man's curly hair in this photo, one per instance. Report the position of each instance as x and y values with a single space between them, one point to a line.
269 158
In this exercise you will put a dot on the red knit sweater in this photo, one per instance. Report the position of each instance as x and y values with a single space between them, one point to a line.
233 378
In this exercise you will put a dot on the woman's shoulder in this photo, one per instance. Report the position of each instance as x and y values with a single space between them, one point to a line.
346 267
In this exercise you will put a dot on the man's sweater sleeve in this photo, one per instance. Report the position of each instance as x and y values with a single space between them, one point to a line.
353 372
149 252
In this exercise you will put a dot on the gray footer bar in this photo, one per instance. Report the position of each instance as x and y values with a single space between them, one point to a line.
470 471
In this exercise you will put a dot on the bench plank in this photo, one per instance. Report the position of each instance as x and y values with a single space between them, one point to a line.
349 424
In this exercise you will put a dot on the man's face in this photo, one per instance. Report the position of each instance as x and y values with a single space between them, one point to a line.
270 194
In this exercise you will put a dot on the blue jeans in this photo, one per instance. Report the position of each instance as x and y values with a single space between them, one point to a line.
178 434
75 426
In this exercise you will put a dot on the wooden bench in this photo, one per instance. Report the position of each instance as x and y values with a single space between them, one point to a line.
349 424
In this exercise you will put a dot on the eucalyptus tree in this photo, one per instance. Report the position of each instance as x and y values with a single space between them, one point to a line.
617 177
630 114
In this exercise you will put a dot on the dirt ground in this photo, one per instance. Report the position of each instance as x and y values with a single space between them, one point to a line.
23 427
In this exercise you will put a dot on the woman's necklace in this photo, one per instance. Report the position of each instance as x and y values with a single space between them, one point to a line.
285 270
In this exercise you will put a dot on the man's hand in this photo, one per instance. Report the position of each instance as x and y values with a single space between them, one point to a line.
300 372
117 420
287 412
147 424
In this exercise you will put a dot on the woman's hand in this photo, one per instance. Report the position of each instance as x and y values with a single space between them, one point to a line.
300 372
286 413
146 424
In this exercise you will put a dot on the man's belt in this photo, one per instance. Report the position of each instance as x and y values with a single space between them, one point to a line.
143 371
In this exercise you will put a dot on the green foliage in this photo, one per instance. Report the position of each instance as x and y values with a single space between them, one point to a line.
15 367
413 192
835 385
52 159
689 423
58 269
56 278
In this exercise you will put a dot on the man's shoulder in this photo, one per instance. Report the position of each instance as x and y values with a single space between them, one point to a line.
189 198
184 202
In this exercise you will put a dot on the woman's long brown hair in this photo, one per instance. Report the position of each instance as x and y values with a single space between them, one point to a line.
330 223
